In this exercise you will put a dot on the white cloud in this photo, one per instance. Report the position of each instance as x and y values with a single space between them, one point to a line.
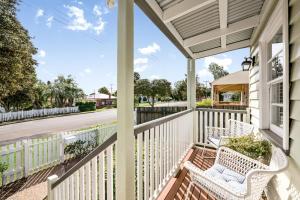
78 22
140 68
101 55
151 49
41 62
100 26
49 21
152 77
42 53
87 70
97 11
205 75
225 62
140 61
140 64
39 13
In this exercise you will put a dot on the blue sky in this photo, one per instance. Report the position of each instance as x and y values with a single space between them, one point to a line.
78 37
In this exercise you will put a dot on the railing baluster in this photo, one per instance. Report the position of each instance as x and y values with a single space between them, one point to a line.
140 166
157 142
94 179
152 163
101 189
110 173
146 165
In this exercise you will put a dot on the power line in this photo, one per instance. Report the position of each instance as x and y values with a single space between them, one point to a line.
64 21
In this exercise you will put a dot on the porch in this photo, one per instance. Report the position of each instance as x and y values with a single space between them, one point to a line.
142 161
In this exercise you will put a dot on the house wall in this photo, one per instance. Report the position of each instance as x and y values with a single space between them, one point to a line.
286 185
254 95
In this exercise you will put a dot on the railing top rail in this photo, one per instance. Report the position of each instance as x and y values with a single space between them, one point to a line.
86 159
222 110
151 124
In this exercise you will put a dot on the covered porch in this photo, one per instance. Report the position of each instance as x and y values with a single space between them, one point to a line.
145 161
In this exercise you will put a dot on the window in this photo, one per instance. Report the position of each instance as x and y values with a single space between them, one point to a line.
230 96
275 81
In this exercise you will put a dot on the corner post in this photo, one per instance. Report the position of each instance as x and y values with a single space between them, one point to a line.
191 93
52 179
125 165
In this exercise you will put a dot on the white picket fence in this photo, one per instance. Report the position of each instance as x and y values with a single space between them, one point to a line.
11 116
29 156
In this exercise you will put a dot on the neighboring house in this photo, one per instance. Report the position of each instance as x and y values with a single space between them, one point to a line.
231 90
102 100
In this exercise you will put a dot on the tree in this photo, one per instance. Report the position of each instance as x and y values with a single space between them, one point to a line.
104 90
180 90
157 88
217 71
64 91
17 74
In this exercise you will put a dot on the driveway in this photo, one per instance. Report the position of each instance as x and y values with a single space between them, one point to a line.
56 124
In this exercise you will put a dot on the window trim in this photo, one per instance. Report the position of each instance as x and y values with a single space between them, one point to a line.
278 19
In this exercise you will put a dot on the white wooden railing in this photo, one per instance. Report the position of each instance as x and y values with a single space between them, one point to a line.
160 147
217 118
28 156
27 114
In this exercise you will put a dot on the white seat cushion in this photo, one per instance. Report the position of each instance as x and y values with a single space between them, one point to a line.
227 177
215 141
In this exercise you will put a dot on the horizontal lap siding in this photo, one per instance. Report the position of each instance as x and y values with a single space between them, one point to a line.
254 96
295 80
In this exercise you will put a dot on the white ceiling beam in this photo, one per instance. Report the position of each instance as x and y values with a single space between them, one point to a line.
184 8
154 5
223 7
229 47
217 33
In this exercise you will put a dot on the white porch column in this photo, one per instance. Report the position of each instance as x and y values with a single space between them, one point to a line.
125 143
191 84
191 95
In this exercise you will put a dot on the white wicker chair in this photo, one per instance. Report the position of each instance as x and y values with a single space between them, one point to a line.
241 178
217 136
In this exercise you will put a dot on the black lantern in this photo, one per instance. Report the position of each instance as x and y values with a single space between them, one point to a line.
246 64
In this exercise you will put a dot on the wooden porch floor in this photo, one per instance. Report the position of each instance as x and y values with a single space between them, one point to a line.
177 187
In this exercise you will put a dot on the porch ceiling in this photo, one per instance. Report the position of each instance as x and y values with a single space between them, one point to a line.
201 28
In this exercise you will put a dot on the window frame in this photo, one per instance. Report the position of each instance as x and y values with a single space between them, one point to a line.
278 19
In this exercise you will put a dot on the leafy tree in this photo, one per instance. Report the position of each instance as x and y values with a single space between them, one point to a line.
17 74
180 90
41 94
137 77
217 71
157 88
64 91
104 90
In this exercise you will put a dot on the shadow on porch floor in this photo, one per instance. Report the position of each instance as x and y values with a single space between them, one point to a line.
177 187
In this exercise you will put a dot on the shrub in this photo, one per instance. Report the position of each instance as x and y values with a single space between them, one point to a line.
250 146
86 106
82 148
205 103
3 167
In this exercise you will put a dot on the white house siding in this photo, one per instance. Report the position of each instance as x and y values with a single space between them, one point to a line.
287 184
254 95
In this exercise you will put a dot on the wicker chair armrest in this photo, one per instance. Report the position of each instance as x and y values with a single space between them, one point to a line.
216 132
213 185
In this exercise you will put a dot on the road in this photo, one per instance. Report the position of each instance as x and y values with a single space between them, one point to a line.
56 124
61 124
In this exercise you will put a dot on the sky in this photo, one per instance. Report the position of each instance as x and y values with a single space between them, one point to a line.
79 37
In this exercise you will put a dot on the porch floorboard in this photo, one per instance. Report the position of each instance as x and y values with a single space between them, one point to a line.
178 190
